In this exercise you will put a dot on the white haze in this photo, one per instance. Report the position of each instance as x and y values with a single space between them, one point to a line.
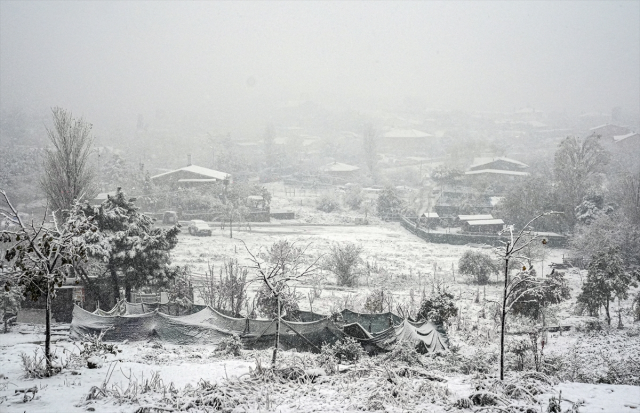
237 61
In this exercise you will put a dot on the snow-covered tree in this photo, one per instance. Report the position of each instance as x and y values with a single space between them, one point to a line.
389 203
39 257
133 252
278 269
477 265
68 175
607 280
439 308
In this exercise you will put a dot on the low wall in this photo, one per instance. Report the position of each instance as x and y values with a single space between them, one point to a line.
463 239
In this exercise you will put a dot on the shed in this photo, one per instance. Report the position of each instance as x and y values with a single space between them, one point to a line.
474 217
191 175
483 226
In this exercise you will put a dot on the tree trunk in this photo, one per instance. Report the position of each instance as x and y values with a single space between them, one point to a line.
230 227
277 344
504 314
620 326
47 330
127 291
606 306
116 287
4 314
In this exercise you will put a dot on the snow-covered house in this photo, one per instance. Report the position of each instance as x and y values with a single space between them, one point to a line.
499 167
190 176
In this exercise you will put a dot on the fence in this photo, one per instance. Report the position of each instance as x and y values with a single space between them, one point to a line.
556 241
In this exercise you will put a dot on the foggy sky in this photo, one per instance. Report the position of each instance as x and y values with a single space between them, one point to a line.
111 59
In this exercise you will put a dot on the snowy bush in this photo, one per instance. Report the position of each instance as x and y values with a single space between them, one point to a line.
438 309
328 203
344 261
92 345
405 352
230 345
348 349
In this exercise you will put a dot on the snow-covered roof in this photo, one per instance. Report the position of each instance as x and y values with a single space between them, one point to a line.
486 160
431 215
339 167
210 173
619 138
485 222
198 180
497 171
474 217
406 133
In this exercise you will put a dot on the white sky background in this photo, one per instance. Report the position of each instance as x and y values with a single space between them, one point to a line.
111 59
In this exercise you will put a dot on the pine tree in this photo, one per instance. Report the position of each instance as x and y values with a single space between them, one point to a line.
134 252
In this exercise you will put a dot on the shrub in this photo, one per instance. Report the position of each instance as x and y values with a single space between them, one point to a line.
328 203
519 348
230 345
344 261
405 351
348 349
354 198
374 303
438 309
92 345
36 367
478 265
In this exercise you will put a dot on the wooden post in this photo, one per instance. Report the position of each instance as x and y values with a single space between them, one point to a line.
504 310
277 344
47 330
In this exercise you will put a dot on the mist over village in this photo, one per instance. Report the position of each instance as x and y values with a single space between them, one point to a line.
319 206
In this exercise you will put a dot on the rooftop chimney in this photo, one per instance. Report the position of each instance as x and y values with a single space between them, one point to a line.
189 160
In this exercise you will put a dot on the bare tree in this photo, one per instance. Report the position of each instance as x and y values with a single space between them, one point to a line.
512 290
68 176
40 257
285 263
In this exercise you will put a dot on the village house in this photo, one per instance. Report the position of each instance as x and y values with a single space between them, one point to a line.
191 175
341 171
483 226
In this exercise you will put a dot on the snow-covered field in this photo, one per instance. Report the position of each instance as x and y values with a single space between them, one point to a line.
143 374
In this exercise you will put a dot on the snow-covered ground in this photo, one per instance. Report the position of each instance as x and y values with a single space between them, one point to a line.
411 267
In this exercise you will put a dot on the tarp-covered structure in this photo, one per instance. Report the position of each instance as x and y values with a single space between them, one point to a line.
373 323
125 308
425 335
144 322
204 327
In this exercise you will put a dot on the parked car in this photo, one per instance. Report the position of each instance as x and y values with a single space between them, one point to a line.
199 227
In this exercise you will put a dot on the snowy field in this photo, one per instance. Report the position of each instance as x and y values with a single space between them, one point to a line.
145 375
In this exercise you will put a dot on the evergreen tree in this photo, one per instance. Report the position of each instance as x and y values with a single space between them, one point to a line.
134 253
607 279
389 203
438 309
